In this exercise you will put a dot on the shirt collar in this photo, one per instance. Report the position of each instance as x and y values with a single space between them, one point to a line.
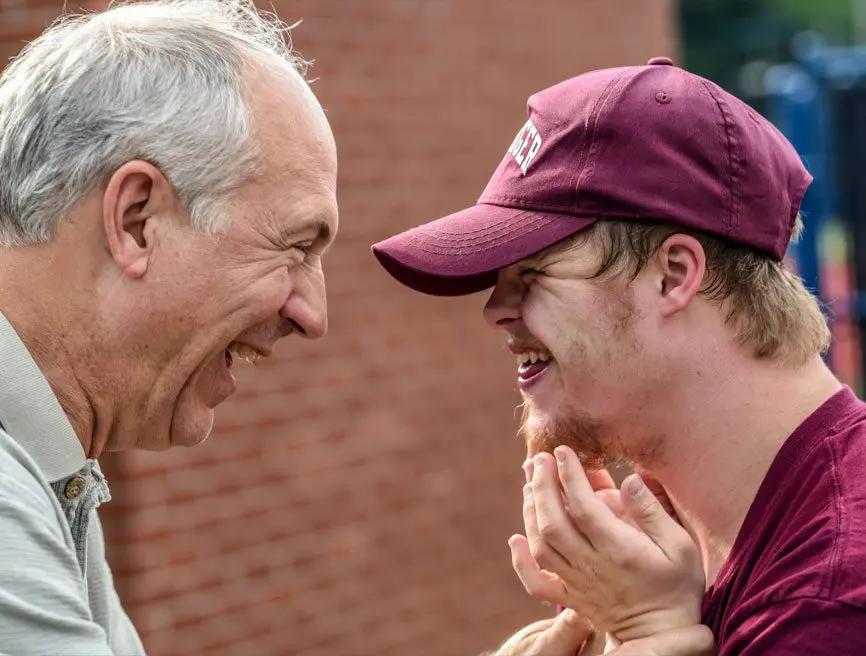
30 412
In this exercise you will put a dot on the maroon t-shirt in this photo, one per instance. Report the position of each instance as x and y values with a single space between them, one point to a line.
795 582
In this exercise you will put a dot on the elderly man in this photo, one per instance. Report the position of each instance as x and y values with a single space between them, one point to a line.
633 236
168 191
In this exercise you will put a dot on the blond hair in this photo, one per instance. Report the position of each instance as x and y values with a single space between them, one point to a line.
765 303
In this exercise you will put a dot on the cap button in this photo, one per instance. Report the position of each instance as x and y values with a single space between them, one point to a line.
660 61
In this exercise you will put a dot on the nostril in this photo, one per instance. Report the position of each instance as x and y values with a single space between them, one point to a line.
290 326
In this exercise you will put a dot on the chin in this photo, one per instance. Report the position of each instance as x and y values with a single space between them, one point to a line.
536 429
543 433
190 429
537 420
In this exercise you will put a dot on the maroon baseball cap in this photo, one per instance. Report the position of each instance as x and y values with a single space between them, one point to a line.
643 143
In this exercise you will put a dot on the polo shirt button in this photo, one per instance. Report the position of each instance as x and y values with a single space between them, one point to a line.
74 488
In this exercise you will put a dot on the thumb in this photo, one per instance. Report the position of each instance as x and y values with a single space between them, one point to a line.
659 491
567 634
646 511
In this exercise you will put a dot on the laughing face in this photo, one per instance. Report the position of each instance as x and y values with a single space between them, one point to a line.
181 306
578 349
262 279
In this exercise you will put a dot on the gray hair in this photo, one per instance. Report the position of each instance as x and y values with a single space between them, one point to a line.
160 81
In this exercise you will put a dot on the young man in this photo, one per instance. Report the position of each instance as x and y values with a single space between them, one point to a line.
633 236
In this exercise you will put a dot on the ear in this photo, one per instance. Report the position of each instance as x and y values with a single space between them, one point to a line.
136 195
682 263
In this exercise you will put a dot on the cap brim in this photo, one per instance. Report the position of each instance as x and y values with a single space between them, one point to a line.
461 253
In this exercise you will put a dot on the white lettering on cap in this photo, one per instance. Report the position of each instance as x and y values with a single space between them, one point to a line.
525 146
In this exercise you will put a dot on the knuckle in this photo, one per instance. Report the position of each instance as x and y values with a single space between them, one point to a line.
533 589
550 531
649 507
623 559
542 553
581 513
536 548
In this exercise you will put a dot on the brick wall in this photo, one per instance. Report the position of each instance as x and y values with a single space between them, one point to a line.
358 492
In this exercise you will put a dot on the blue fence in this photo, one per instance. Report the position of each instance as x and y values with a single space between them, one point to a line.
819 102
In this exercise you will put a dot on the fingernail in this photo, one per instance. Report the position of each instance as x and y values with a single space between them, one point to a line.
527 490
559 452
538 461
634 485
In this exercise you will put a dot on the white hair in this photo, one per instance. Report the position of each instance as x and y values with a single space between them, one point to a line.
161 81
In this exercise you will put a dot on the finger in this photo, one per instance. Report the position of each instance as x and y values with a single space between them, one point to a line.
542 550
600 479
592 517
689 641
539 583
645 510
555 527
568 633
527 469
659 491
611 499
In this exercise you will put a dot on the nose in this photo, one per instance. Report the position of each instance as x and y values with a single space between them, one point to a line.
503 307
306 309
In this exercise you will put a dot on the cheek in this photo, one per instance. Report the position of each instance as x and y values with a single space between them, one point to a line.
572 337
590 349
275 296
266 298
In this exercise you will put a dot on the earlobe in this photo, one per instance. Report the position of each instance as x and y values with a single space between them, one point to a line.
133 197
683 264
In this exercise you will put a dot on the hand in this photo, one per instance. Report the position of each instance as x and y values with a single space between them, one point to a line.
605 489
694 640
563 635
568 635
630 578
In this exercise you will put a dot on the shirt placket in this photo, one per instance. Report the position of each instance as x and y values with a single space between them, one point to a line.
79 495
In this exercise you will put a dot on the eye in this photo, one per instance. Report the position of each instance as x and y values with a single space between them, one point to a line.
528 272
303 248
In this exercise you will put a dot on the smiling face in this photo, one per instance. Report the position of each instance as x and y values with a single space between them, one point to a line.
580 350
186 303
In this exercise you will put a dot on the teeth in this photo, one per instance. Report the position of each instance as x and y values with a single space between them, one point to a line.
531 357
246 353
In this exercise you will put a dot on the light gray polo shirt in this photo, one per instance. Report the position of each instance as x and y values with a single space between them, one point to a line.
57 596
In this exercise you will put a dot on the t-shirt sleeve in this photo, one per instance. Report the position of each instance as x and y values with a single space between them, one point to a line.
43 601
799 626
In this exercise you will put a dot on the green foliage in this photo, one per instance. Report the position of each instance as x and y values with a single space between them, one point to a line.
720 36
830 16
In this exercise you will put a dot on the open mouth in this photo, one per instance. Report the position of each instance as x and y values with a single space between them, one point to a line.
249 354
532 363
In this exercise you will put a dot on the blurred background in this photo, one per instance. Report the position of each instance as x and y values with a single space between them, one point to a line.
358 492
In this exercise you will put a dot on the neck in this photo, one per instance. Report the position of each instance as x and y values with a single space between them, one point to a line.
45 318
726 440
